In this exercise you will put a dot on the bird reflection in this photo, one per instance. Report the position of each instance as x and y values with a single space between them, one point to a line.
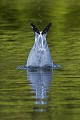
40 81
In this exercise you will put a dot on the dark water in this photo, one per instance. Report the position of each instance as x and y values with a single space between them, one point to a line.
39 95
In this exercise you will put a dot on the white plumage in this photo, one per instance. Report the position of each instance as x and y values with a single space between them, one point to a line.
39 55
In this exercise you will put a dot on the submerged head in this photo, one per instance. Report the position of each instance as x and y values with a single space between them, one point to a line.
40 37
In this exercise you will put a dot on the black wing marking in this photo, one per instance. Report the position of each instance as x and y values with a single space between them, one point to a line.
46 29
34 28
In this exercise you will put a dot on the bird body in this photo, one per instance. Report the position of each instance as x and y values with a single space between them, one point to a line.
39 55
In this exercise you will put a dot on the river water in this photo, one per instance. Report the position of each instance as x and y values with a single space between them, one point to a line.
39 94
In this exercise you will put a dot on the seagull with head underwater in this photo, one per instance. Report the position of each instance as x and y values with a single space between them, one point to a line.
39 55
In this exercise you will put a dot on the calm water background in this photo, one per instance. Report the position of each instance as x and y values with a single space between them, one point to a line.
39 95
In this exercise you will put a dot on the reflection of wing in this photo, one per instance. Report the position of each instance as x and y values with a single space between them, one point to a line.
40 81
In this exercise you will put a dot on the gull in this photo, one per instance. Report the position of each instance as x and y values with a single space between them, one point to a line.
39 55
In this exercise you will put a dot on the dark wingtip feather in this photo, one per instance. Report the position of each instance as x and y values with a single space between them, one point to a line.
46 29
34 28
